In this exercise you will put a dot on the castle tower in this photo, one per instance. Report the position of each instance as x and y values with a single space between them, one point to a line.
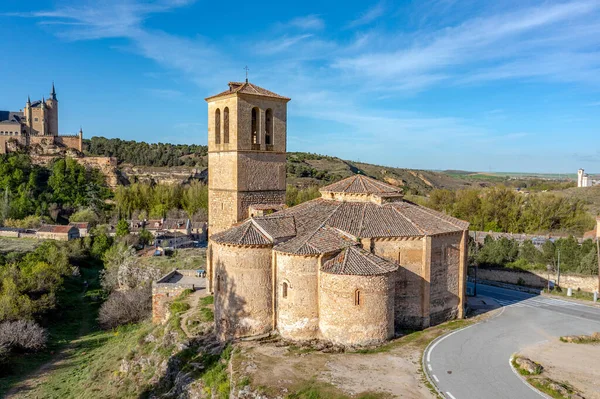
246 152
52 113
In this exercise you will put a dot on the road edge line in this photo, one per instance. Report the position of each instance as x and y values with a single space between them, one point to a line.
437 340
524 381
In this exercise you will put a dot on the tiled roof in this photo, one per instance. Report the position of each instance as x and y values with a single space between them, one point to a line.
276 226
323 225
49 228
356 261
360 184
323 240
247 88
80 225
266 207
244 234
11 117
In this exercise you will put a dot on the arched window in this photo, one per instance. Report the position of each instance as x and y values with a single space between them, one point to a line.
255 126
284 290
218 126
357 297
269 127
226 125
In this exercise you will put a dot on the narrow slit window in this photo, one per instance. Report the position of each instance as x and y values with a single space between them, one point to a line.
254 126
285 290
226 125
357 297
218 126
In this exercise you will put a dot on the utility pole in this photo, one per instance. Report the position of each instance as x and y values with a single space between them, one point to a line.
558 277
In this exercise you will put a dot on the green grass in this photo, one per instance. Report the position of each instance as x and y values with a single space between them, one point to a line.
75 315
21 245
187 259
583 295
216 377
543 385
207 300
538 368
421 338
319 390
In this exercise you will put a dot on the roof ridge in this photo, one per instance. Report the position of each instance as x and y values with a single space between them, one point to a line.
423 231
309 236
437 215
345 261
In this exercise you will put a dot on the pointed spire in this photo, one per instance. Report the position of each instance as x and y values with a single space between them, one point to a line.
43 104
28 100
53 93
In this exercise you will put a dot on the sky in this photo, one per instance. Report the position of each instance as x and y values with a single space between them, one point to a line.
508 85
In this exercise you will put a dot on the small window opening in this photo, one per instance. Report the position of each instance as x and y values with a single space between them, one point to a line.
218 283
255 126
218 126
226 125
285 290
269 127
357 297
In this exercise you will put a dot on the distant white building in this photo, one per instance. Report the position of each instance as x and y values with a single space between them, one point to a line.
583 179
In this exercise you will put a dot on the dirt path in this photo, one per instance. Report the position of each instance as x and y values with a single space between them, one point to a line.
193 300
22 388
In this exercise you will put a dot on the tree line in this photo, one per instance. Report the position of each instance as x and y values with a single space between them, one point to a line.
140 153
503 209
504 252
27 189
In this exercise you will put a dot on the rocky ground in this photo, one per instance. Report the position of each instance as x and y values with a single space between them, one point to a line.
569 362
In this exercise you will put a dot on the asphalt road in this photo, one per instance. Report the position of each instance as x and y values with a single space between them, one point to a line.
473 363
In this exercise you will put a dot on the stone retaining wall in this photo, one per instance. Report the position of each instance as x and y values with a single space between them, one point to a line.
163 293
539 279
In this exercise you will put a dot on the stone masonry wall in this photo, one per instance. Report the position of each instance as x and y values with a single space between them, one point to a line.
163 294
408 253
444 282
298 314
343 321
243 290
74 142
245 199
539 279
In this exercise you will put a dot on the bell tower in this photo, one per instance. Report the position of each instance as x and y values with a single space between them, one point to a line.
246 152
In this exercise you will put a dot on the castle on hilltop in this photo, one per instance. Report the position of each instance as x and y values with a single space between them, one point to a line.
36 124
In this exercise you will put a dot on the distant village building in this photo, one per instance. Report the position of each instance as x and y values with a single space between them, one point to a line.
583 179
37 123
352 267
195 230
56 232
83 228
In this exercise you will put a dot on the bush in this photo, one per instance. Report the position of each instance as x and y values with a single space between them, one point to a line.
124 307
22 334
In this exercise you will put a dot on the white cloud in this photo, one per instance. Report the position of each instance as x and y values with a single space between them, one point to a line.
371 15
309 22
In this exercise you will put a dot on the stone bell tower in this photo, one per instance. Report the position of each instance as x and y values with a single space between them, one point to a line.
246 152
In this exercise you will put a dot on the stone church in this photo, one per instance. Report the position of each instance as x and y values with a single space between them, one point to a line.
352 267
37 123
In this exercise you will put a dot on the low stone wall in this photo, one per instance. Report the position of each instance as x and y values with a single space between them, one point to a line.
164 292
539 279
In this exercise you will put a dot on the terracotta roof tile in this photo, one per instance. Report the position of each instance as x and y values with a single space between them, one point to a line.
323 240
356 261
244 234
277 227
247 88
49 228
360 184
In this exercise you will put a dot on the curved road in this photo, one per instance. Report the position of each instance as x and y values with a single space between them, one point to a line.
474 362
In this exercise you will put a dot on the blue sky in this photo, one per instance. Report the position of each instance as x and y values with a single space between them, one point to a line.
433 84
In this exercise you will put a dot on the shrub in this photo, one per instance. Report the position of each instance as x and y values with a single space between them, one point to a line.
22 334
124 307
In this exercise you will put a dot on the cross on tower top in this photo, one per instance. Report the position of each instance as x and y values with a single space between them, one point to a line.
246 68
